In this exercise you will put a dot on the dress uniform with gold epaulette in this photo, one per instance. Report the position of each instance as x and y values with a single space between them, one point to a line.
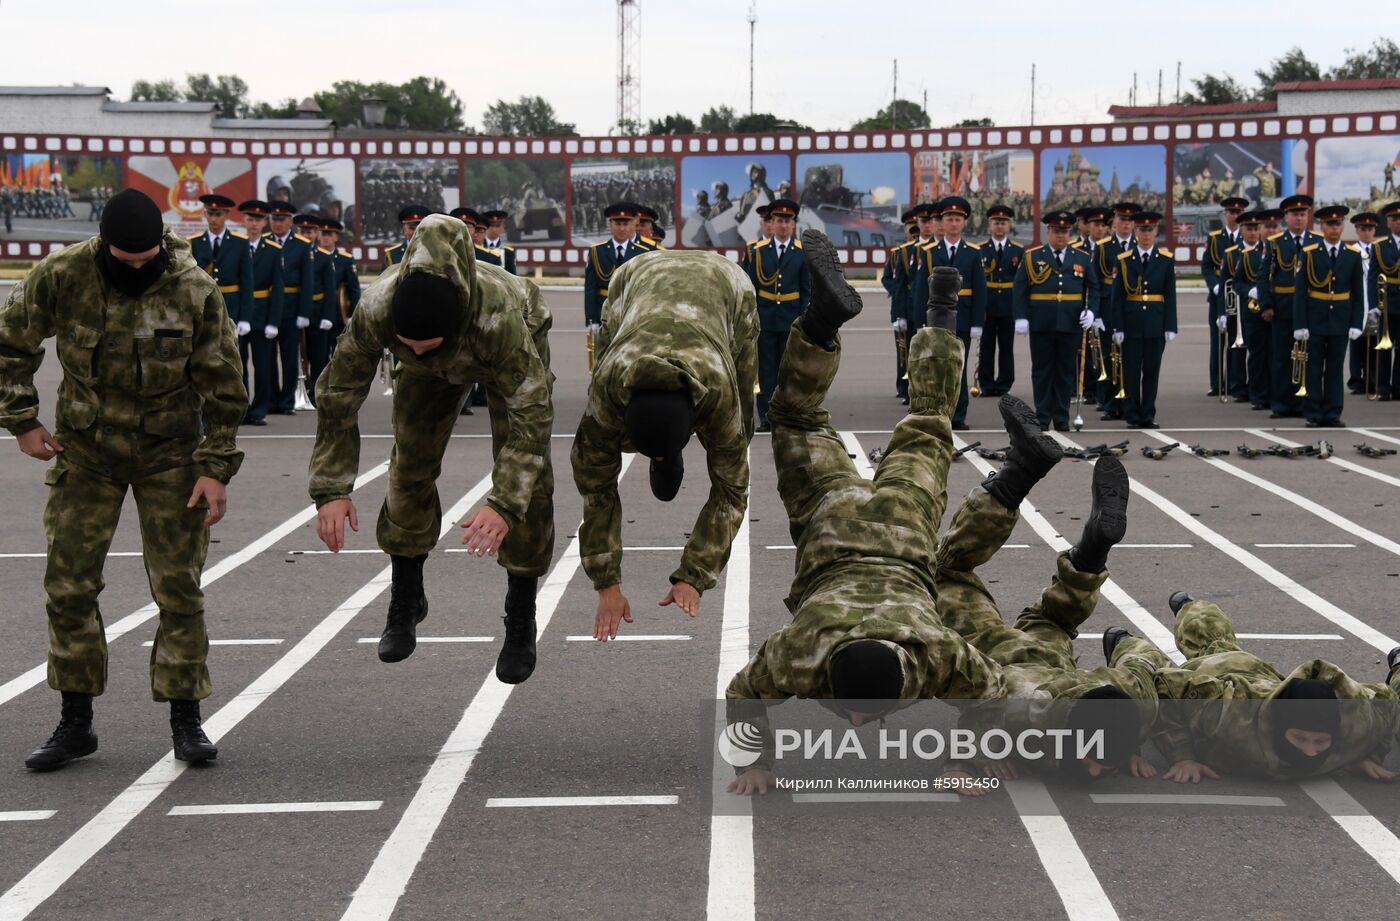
1328 311
895 283
1217 279
606 256
778 271
1249 274
1385 254
1001 260
409 216
1365 358
504 255
966 257
258 348
1285 248
225 257
1143 311
325 312
298 264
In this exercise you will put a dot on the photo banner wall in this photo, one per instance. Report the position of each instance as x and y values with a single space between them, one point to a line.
706 188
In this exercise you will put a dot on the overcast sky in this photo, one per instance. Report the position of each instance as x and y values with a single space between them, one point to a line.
820 62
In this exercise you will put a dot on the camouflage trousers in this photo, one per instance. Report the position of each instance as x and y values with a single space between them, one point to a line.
79 520
1202 629
425 411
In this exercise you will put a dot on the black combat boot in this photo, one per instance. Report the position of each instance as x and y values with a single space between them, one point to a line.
517 659
73 738
1031 456
1179 600
187 731
408 605
834 302
1392 659
1108 517
943 285
1111 638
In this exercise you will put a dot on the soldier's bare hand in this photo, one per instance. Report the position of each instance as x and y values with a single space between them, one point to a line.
1189 772
612 610
1374 771
1141 768
754 780
213 493
684 596
330 523
485 531
39 444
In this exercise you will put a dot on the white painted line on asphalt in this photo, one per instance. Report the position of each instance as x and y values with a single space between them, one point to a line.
436 639
32 815
1252 636
876 798
653 548
1174 428
335 552
1365 829
1376 434
537 802
16 686
1336 461
272 808
1182 799
121 554
1353 625
379 892
69 857
149 643
1080 891
1306 546
1153 546
862 462
729 881
633 638
794 547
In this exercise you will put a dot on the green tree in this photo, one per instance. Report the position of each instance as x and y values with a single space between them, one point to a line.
718 120
1382 60
420 104
983 122
1212 90
671 124
1293 66
227 91
899 114
531 116
287 108
155 91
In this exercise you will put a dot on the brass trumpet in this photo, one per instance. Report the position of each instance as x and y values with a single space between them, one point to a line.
901 348
1372 368
1096 349
589 346
1232 309
1300 367
1115 356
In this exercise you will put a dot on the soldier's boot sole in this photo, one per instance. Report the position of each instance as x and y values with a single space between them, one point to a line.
398 642
1031 448
195 749
1111 638
833 298
1179 600
1108 518
52 757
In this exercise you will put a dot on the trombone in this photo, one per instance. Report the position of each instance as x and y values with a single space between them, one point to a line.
1079 378
1232 309
1300 367
302 400
1372 368
901 348
589 346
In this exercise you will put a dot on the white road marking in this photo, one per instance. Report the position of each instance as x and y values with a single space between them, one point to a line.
338 552
1252 636
70 856
653 548
876 798
1306 546
1376 434
149 643
859 457
630 638
111 554
270 808
1334 460
379 892
729 894
32 815
1366 830
1175 428
436 639
1182 799
535 802
17 686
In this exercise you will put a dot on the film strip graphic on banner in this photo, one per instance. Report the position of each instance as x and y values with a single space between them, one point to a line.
852 185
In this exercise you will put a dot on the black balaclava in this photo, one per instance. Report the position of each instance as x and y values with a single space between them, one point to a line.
659 422
1107 708
426 306
866 670
132 223
1308 704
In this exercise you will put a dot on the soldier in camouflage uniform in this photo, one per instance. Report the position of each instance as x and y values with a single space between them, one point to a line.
151 399
865 626
1313 721
449 321
676 355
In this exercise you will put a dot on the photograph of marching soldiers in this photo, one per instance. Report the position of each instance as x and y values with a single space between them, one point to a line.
720 196
530 190
596 183
1263 173
985 178
312 185
48 197
388 185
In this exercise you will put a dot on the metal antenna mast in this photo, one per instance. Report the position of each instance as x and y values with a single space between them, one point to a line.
753 22
629 84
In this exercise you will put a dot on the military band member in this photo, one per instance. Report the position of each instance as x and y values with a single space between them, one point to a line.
298 266
149 401
1273 217
955 252
223 253
346 280
1386 253
606 256
266 318
1056 298
1118 221
894 277
647 233
1364 357
1285 249
1250 272
1142 313
779 275
765 231
1217 281
926 215
1093 224
409 218
1001 259
324 310
449 322
1328 310
496 240
676 357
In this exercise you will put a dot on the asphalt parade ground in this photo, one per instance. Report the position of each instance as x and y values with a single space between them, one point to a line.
348 788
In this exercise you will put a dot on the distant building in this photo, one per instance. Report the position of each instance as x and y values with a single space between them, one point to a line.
1313 97
88 110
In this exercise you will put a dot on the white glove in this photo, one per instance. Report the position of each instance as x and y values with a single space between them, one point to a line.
270 331
1221 322
1118 337
303 322
1254 293
1086 319
1170 335
326 325
900 326
243 328
594 328
1098 325
976 332
1300 335
1374 314
1023 327
1214 289
1353 333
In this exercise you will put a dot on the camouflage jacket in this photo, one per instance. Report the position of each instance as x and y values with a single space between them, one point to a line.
1212 719
493 344
672 321
141 376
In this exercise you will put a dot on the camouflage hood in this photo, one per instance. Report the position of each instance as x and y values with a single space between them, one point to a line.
442 246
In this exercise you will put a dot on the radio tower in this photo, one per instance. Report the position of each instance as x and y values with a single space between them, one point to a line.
629 85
